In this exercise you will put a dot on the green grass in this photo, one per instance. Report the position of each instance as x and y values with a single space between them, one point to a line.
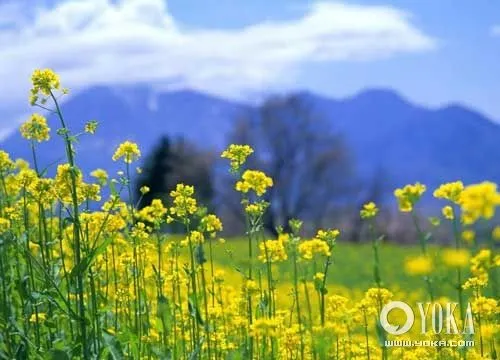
352 267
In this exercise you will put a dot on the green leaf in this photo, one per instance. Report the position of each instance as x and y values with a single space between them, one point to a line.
85 263
381 334
200 255
58 355
164 313
195 312
113 346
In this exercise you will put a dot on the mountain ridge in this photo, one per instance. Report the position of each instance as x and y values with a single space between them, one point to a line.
384 130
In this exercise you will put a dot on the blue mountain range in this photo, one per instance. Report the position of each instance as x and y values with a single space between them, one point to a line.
385 133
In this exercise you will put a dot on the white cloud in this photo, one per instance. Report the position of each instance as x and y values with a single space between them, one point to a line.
495 30
112 42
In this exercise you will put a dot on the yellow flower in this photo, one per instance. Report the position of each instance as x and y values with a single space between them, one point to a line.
330 235
36 128
481 263
184 202
127 150
418 265
495 234
272 251
256 209
254 180
4 225
264 327
378 297
63 182
219 276
435 221
41 317
100 174
42 190
476 282
310 248
44 81
6 163
153 213
211 224
486 307
196 237
479 201
251 286
237 155
91 127
468 236
369 210
408 196
144 190
319 276
450 191
456 257
448 212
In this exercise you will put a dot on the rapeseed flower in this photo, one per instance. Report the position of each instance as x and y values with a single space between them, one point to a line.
495 234
184 201
448 212
237 155
4 225
91 127
408 196
254 180
36 128
468 236
450 191
264 327
44 81
311 248
458 258
485 307
479 201
369 211
127 150
101 175
418 265
272 251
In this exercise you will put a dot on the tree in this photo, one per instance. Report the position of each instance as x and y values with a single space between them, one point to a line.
173 162
309 163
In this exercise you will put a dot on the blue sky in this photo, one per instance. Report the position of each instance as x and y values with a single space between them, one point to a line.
432 52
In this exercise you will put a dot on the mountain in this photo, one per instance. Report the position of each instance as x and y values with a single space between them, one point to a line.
132 113
409 143
386 134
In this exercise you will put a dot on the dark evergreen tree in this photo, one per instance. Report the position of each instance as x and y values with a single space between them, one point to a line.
172 162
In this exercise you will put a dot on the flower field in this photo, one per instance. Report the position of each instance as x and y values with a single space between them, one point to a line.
80 283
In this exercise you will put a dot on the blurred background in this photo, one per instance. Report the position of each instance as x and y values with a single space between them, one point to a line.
343 101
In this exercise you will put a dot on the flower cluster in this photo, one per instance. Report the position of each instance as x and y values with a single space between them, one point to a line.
450 191
409 195
369 210
127 150
184 203
237 155
36 128
44 82
479 201
419 265
458 258
315 247
272 251
254 180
